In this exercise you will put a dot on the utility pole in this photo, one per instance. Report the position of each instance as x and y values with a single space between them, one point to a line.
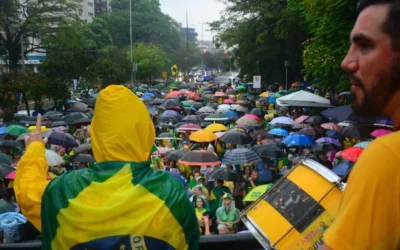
130 33
22 55
286 66
202 46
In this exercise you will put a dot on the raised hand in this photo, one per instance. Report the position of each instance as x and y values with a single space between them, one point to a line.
37 135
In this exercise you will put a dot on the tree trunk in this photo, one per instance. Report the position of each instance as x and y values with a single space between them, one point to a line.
26 103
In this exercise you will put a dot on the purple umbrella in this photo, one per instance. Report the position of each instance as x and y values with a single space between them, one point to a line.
384 123
329 140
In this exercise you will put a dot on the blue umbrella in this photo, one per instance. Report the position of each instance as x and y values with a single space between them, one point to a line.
151 95
172 113
231 114
333 134
298 140
343 168
146 98
363 144
3 130
278 132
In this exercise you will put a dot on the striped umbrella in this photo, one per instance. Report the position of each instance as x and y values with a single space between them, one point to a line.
240 156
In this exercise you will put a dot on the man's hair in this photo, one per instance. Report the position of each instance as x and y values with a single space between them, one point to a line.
392 22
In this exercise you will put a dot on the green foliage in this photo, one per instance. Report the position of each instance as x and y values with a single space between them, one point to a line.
186 57
152 59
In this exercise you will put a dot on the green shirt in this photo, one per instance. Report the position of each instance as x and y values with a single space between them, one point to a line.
248 187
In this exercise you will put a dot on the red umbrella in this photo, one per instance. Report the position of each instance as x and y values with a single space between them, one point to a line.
331 126
254 117
192 95
380 132
173 94
229 101
351 154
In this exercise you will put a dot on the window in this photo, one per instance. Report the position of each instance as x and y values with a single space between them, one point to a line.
90 14
80 12
90 4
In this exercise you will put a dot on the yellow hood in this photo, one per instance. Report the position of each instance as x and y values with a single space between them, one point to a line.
122 129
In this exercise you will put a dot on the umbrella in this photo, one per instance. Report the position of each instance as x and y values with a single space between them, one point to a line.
71 118
79 107
224 107
216 117
384 123
308 131
174 155
61 128
5 170
166 125
171 113
82 148
363 144
298 126
351 154
314 120
380 132
173 94
228 101
278 132
331 126
9 143
16 130
246 120
58 124
165 136
236 136
268 151
200 158
231 92
231 114
52 114
329 140
187 104
6 207
60 138
343 168
197 105
81 121
298 140
170 103
282 120
219 134
157 101
323 147
238 108
5 159
192 119
206 110
240 156
333 134
2 130
258 112
354 131
203 136
168 119
83 158
301 119
189 127
226 174
216 127
52 158
257 192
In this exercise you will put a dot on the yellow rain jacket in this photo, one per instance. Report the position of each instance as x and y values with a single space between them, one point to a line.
120 202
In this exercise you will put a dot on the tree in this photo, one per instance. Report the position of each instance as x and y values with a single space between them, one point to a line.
27 20
187 56
329 24
151 59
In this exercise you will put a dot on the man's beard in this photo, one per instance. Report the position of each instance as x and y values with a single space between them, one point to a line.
374 103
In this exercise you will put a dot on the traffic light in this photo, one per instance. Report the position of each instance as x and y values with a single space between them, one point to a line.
204 51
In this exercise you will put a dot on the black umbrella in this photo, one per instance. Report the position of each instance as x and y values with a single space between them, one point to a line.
58 124
53 114
72 117
197 105
81 148
258 112
231 92
268 151
157 101
255 127
60 138
165 136
5 159
170 103
10 143
323 147
315 119
168 119
81 121
5 170
200 158
83 158
27 120
226 174
192 119
354 131
236 136
165 125
174 155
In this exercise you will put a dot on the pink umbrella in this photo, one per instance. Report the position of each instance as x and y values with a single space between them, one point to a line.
229 101
220 94
253 117
219 134
301 119
331 126
189 127
380 132
11 176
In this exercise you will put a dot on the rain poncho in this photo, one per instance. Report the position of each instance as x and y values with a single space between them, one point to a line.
120 202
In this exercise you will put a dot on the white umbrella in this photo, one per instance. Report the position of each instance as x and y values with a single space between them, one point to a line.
53 159
224 106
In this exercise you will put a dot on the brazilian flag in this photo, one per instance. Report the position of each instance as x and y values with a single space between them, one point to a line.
174 70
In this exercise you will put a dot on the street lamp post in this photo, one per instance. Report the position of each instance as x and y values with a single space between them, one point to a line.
130 33
286 67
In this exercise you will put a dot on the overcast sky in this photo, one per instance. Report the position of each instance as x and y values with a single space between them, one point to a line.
199 11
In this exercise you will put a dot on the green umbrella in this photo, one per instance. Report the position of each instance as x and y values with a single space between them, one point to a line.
187 104
241 87
16 130
173 85
277 95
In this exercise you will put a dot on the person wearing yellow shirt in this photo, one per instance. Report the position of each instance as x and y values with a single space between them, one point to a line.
369 213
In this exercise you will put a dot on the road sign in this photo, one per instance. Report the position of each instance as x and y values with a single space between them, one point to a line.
164 74
134 68
256 82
